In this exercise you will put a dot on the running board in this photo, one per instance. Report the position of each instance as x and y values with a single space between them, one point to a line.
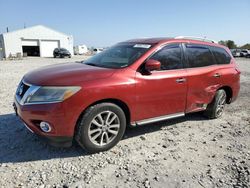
156 119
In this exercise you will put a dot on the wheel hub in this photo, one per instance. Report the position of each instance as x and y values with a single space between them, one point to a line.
105 128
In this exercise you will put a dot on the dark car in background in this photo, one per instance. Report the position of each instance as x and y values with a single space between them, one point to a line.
61 52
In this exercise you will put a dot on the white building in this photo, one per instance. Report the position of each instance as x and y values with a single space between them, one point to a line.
34 41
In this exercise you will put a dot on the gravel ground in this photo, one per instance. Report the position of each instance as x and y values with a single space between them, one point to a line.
186 152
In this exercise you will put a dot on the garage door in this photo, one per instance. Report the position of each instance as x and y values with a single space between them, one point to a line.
30 47
47 47
30 43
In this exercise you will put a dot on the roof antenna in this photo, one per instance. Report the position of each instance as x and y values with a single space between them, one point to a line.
24 25
7 29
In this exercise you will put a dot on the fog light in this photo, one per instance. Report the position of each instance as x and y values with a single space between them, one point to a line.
45 126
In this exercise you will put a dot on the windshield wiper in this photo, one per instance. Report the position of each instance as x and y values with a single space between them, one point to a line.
91 64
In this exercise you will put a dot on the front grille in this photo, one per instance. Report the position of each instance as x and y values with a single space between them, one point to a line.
22 89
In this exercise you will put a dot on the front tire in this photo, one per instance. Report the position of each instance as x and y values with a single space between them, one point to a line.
216 107
101 127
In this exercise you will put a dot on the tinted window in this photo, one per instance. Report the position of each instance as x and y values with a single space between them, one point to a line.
199 56
221 56
170 57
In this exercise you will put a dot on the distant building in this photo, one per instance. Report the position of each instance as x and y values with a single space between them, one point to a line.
34 41
80 49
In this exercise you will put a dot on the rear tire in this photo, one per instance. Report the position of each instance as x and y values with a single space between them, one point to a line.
216 107
101 127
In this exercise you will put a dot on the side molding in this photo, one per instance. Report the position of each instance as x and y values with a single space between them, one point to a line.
156 119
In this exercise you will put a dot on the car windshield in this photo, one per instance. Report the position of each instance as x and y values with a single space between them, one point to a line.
118 56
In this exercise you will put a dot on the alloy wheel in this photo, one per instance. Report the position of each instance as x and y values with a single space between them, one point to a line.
221 104
104 128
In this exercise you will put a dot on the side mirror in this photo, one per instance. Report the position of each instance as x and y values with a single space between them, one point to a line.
152 65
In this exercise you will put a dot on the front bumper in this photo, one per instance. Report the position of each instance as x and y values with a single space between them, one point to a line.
62 131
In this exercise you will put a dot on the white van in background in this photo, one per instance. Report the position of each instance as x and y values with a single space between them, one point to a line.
80 49
245 53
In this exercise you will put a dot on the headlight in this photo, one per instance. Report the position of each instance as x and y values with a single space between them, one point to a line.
49 94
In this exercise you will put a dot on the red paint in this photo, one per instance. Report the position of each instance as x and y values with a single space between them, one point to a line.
152 65
146 95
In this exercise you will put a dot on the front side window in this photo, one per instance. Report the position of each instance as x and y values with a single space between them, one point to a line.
170 57
199 56
118 56
221 56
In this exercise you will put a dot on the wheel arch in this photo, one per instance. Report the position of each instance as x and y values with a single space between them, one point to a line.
229 93
117 102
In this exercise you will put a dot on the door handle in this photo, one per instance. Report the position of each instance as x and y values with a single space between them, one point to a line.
216 75
181 80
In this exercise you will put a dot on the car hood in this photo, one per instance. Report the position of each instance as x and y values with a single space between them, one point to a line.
66 74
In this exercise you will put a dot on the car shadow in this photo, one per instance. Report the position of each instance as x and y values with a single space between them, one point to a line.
157 126
20 145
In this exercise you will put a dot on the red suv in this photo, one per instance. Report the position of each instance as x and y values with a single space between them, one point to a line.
131 83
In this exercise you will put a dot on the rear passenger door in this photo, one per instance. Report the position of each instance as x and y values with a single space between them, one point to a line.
228 75
202 76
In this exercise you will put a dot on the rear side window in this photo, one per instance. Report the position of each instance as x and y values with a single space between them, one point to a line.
199 56
221 55
169 56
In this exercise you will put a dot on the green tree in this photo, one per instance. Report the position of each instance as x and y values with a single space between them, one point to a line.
229 43
222 42
246 46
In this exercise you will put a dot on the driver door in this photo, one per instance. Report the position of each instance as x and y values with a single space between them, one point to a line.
162 93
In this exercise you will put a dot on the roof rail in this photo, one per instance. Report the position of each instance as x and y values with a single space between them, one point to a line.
196 38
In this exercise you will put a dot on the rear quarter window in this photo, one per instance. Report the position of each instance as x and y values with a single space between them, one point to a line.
221 55
199 56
